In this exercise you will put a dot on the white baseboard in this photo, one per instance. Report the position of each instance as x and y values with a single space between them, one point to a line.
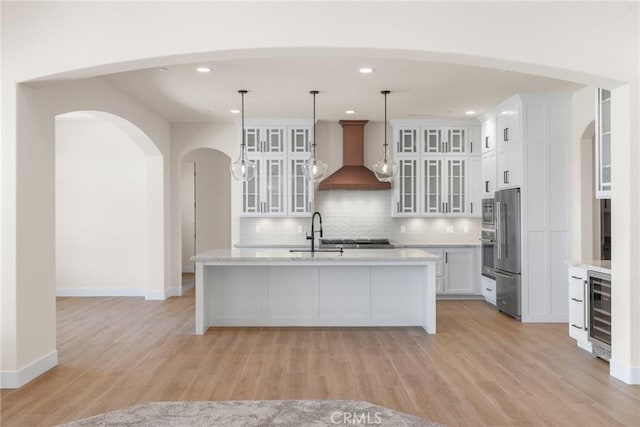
162 295
626 374
16 379
100 292
188 269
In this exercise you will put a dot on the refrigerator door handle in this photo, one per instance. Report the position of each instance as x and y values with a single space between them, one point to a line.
498 233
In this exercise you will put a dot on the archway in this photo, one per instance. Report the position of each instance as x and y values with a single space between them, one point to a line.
104 205
205 197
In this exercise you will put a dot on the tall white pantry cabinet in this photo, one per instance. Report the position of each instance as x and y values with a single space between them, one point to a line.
532 152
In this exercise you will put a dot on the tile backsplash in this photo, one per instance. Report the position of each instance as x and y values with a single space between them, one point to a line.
359 214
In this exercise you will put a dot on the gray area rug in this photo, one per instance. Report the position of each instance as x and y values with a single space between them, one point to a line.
256 413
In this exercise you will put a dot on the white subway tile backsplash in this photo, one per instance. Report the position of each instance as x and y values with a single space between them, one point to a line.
359 214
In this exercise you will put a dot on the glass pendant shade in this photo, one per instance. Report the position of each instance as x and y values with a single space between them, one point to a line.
314 169
385 168
243 169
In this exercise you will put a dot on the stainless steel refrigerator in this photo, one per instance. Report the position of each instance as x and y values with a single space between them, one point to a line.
507 251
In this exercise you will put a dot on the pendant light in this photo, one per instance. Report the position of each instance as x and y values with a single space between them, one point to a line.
243 169
314 169
385 168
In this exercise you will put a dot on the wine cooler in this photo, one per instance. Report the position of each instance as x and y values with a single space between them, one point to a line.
600 314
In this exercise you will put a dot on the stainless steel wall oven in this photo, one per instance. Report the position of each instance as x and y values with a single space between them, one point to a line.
600 314
488 245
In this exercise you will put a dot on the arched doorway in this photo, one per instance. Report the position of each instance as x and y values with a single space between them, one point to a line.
205 199
107 203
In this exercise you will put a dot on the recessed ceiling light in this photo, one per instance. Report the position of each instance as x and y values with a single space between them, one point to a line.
366 70
203 69
235 111
470 113
163 68
350 112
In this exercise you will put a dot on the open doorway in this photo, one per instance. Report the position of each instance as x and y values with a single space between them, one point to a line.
106 178
205 194
596 213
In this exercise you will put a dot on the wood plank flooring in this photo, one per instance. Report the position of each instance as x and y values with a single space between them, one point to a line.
481 368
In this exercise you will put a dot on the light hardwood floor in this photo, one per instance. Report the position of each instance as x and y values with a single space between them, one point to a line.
481 368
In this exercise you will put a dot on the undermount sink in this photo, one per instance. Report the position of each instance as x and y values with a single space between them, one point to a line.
339 250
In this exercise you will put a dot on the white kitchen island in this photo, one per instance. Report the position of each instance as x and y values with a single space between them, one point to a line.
276 287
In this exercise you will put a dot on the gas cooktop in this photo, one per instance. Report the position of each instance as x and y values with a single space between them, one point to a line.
356 243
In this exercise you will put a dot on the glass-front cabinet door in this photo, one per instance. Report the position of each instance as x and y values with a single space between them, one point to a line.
456 186
603 144
265 139
407 187
407 140
432 140
274 186
432 186
456 142
251 196
300 189
300 140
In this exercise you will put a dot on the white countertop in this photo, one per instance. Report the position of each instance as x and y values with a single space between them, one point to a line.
596 265
408 255
394 244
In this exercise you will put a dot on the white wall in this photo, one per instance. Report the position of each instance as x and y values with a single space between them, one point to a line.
42 39
101 210
582 182
188 214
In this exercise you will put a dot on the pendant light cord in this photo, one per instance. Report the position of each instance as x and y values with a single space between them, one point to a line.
386 144
313 146
242 145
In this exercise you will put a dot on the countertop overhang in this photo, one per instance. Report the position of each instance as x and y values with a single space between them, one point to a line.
253 255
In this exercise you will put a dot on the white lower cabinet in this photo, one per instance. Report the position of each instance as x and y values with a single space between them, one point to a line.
489 290
457 271
579 307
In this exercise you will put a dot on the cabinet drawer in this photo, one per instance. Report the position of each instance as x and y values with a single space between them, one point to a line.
577 291
439 285
489 290
576 315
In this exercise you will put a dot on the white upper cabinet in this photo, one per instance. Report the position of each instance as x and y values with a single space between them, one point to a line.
279 187
300 191
446 186
445 140
603 144
436 174
489 177
489 134
406 187
509 145
264 194
508 123
407 140
265 139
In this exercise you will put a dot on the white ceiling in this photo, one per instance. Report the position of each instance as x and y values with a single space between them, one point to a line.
279 88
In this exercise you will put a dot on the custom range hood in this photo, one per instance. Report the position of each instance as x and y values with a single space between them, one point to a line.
353 175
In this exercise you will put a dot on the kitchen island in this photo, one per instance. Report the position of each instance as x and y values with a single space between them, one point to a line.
276 287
